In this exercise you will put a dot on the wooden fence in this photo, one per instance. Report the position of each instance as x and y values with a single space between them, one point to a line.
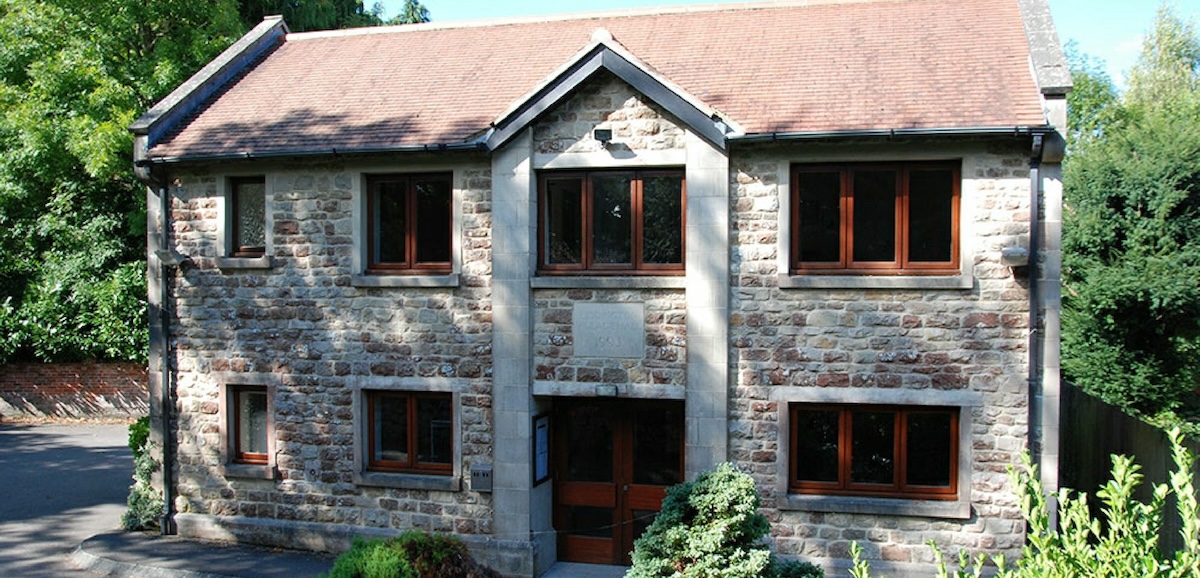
1092 431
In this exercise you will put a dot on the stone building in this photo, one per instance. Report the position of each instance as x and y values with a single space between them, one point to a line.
511 279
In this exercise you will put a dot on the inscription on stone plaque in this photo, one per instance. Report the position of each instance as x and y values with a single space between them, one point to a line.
610 330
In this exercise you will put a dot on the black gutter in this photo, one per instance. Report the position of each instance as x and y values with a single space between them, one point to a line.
895 133
301 153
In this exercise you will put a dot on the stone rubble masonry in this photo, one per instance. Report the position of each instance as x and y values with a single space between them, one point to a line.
73 390
606 102
302 322
972 340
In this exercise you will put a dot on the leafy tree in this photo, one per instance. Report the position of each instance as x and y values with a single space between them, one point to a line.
1131 233
303 15
73 75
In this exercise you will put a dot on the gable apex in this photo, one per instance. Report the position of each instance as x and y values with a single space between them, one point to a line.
605 53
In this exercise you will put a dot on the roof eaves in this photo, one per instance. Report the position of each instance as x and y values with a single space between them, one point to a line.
604 52
164 115
971 131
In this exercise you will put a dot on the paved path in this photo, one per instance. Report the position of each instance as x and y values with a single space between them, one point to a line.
59 484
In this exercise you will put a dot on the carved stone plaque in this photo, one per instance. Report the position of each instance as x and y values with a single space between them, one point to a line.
610 330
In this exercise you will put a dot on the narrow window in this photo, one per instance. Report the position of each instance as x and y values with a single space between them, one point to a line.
886 451
612 222
875 219
410 432
249 217
250 424
409 222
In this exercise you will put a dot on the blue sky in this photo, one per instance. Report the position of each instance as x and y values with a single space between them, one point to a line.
1111 30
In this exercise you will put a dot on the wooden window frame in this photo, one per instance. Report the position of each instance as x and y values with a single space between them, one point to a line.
412 466
844 486
238 455
237 248
586 265
410 265
900 264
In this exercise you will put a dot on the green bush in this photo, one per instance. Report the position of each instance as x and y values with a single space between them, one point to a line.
1123 545
711 528
144 505
413 554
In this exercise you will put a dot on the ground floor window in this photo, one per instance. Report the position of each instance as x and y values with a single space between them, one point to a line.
410 432
874 450
250 424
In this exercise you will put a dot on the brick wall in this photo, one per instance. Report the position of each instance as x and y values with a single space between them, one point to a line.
74 390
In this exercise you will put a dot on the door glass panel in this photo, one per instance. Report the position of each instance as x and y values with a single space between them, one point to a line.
657 442
589 521
612 220
817 445
589 445
642 520
872 459
928 452
874 216
820 217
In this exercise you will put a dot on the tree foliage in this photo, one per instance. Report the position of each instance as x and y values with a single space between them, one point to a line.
303 15
1131 232
73 75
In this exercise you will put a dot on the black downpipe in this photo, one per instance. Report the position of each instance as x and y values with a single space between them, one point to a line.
168 266
1035 386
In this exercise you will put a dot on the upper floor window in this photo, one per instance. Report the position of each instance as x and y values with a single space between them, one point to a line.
249 217
410 432
865 450
409 223
614 222
879 219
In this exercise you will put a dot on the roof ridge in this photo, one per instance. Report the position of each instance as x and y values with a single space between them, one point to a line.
730 6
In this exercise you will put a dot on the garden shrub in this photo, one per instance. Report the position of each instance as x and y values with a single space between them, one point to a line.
711 528
144 505
1124 544
413 554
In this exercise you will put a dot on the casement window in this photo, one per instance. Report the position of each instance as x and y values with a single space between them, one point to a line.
409 224
611 222
248 217
881 451
250 421
410 432
876 219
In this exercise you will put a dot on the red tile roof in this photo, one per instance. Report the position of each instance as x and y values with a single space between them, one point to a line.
909 64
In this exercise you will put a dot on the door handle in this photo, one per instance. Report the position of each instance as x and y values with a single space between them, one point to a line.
625 488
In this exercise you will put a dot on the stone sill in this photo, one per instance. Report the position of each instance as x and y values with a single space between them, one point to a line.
249 471
235 263
451 280
963 281
408 481
950 509
603 282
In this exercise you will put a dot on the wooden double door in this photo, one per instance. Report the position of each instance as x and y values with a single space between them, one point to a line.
614 460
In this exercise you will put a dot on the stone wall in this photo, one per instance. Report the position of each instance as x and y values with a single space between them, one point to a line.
788 343
605 102
319 337
73 390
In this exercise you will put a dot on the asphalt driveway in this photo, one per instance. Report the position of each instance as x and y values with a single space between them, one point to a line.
59 484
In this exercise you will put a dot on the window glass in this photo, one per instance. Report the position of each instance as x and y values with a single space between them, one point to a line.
818 433
433 205
662 217
250 216
410 431
930 215
564 221
929 451
434 435
391 429
873 447
874 206
391 222
612 220
820 222
250 424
